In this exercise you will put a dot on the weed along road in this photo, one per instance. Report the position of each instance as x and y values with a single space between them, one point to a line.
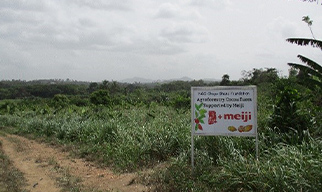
49 168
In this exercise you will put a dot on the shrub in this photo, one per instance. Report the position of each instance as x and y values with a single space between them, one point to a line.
100 97
287 117
60 101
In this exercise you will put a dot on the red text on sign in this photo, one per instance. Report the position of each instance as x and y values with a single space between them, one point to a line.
244 116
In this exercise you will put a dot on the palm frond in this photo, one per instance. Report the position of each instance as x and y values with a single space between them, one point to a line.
312 83
314 65
306 69
305 42
309 81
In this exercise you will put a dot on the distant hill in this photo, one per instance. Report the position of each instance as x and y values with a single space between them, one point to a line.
137 80
207 80
128 80
143 80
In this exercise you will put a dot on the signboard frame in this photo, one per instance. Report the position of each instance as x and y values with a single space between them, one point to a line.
221 99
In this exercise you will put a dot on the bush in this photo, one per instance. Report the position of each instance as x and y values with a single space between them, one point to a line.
100 97
181 102
60 101
287 117
8 107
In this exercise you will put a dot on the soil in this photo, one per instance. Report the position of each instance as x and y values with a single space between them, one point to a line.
46 167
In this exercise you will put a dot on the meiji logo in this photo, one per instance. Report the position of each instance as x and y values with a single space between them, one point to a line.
244 116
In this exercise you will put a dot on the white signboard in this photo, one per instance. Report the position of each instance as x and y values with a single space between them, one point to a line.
230 111
224 110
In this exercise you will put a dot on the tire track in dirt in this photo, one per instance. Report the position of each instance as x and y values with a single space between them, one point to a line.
38 178
43 165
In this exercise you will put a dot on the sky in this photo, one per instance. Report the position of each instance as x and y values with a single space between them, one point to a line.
96 40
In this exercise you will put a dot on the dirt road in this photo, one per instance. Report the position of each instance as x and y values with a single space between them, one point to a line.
47 168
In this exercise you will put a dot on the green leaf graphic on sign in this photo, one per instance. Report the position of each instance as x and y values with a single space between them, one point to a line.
202 111
197 107
200 105
202 116
199 116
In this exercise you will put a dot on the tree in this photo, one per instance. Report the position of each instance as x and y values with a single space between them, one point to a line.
225 80
309 22
258 76
92 87
100 97
60 100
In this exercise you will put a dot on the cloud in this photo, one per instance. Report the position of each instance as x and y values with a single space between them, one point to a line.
124 5
61 26
167 10
176 11
147 46
151 38
213 4
51 28
185 33
282 27
29 5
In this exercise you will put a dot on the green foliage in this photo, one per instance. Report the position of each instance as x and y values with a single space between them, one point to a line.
80 101
148 137
285 115
290 117
309 75
287 168
312 71
182 102
283 168
8 107
100 97
60 101
92 87
260 76
225 80
136 127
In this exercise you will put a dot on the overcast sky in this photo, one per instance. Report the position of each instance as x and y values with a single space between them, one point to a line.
95 40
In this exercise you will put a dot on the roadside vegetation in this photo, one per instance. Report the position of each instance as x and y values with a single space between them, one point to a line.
149 128
140 127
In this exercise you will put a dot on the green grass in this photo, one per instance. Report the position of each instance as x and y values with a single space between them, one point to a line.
282 168
135 138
